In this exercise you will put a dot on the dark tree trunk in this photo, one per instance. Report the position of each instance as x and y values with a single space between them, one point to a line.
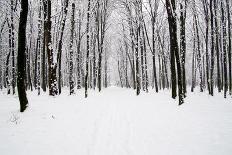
1 56
7 73
224 49
29 81
13 47
212 49
59 54
43 71
35 65
8 58
217 47
22 56
106 70
172 48
193 70
87 53
229 42
44 66
120 75
71 81
142 60
39 47
206 12
183 44
99 71
137 61
199 59
174 51
52 80
153 54
145 61
79 54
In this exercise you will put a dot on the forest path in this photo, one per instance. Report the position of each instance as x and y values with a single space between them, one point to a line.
116 122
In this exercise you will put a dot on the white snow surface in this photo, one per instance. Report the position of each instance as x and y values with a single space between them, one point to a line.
116 122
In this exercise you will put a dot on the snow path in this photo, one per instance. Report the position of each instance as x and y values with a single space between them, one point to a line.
116 122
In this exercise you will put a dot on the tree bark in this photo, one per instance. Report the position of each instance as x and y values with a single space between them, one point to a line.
71 81
59 54
174 51
229 46
21 56
87 53
52 79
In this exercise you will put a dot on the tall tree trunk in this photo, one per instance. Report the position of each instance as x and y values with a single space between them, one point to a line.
13 47
183 43
52 80
153 54
170 6
39 47
172 47
43 71
59 54
142 60
87 53
217 47
79 54
145 59
21 55
35 65
199 58
44 66
71 81
8 58
206 12
224 49
212 49
138 87
229 42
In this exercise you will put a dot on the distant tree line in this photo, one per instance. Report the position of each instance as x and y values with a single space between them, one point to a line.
48 45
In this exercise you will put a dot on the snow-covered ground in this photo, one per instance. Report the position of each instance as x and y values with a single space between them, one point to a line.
116 122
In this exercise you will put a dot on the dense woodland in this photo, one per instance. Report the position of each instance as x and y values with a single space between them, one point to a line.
145 45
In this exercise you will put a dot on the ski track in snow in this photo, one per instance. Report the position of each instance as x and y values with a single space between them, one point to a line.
116 122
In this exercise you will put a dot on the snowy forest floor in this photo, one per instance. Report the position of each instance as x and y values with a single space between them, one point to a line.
116 122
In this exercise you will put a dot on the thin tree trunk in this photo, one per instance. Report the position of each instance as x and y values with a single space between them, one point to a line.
212 49
153 55
71 81
206 12
224 50
229 46
13 47
59 54
217 47
87 53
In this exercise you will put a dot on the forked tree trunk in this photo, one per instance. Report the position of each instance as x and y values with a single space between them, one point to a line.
170 6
